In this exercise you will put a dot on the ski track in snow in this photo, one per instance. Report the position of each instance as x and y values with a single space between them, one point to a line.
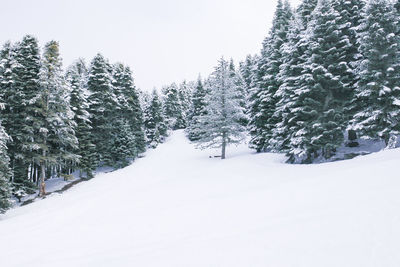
177 207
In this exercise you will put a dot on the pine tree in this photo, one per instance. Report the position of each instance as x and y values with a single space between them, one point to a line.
247 69
5 189
291 69
129 103
240 90
262 96
173 107
197 109
154 122
324 85
55 140
221 126
123 146
378 88
102 104
349 15
77 75
185 92
21 86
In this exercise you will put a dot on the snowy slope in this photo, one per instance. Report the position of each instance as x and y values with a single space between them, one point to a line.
177 207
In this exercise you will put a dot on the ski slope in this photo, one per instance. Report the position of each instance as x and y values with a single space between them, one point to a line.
178 207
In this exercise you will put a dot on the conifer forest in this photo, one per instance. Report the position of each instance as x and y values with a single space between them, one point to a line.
325 83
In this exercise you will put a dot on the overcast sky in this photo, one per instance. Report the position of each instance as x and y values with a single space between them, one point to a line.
162 41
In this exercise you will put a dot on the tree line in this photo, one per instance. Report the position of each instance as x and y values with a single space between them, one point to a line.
328 67
56 122
328 73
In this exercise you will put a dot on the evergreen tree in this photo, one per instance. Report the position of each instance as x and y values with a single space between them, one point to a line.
21 87
262 96
102 104
123 146
378 88
185 92
197 109
221 126
247 68
154 122
77 76
5 189
173 107
291 70
240 90
55 141
323 87
349 15
129 103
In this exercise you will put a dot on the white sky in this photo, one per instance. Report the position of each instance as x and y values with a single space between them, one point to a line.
162 41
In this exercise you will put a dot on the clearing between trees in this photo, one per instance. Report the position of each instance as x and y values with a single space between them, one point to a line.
178 207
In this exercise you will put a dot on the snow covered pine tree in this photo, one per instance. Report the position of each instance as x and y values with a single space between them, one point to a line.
221 124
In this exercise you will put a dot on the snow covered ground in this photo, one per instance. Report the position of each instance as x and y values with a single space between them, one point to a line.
178 207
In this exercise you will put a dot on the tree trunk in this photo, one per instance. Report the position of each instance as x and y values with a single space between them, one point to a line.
223 146
42 190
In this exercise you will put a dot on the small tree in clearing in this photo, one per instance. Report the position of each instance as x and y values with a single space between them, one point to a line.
221 124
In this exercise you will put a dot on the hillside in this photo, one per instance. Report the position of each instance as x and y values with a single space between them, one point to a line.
178 207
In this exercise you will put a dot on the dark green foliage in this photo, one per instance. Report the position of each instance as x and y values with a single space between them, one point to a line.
21 86
123 144
5 189
198 108
129 108
262 96
54 113
305 11
322 89
378 88
76 77
247 69
154 122
102 105
173 112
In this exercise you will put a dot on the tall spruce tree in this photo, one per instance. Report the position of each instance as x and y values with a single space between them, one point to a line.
185 92
247 69
77 76
221 125
291 69
130 105
240 90
322 88
55 140
154 122
21 109
197 109
102 104
349 18
123 146
262 95
173 107
378 88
